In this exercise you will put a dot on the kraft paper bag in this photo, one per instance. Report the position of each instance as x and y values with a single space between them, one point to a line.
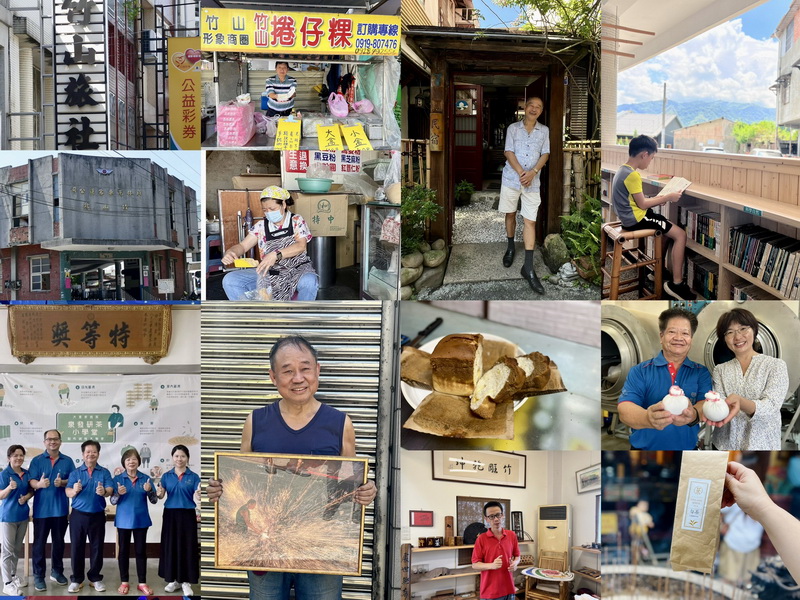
695 534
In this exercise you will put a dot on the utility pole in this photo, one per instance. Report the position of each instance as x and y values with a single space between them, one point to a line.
664 118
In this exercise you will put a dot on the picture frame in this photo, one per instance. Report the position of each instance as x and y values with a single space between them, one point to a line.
588 479
486 467
289 512
420 518
469 510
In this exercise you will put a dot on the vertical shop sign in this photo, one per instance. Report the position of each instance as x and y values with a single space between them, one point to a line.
184 93
79 30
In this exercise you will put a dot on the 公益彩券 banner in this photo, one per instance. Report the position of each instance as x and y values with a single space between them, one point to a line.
184 93
258 31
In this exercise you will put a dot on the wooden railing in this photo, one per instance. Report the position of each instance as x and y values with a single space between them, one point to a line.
416 167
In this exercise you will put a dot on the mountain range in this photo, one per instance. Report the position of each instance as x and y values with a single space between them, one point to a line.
700 111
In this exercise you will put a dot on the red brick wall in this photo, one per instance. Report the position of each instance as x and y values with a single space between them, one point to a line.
24 273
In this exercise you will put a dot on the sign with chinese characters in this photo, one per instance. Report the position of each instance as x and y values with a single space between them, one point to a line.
329 137
79 30
151 413
344 161
288 135
474 466
184 92
89 331
356 138
437 131
229 30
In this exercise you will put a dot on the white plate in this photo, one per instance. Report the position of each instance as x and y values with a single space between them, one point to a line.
414 395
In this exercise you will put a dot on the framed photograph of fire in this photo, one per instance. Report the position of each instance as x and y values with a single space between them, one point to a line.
289 512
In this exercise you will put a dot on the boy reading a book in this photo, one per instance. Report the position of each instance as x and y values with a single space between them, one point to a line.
636 211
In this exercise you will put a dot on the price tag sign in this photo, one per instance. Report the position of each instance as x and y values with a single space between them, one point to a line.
752 211
288 135
329 137
356 137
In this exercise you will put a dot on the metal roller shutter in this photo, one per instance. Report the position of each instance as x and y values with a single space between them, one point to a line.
356 343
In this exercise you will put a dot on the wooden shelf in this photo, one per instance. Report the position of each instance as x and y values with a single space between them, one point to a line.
702 250
473 574
589 577
465 547
589 550
754 280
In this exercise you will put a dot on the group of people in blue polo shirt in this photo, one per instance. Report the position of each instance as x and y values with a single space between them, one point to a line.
753 385
53 479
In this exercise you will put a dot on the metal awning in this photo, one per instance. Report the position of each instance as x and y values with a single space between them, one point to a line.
76 244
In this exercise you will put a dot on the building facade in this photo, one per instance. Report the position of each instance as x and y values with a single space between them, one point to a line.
716 133
78 227
787 85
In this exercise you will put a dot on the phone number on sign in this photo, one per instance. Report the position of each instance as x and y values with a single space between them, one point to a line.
365 45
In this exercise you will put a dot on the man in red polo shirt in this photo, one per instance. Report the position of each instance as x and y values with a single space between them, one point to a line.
496 555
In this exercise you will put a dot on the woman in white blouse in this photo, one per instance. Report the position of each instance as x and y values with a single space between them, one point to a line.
753 385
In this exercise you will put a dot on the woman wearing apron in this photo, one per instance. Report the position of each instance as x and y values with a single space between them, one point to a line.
285 267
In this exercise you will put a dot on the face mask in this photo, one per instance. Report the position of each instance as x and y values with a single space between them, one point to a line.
274 216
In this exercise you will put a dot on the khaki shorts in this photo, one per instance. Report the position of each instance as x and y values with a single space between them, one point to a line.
509 200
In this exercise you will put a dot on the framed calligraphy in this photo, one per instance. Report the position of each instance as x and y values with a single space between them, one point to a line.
289 513
89 330
486 467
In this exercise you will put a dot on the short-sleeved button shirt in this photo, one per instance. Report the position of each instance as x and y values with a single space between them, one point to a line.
11 511
647 384
133 511
180 490
528 149
88 500
51 501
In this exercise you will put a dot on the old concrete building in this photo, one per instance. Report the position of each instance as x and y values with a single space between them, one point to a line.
80 227
787 85
716 133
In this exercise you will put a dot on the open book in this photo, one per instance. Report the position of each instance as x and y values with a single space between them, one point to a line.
676 184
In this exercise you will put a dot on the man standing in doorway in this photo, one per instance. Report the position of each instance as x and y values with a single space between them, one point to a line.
527 151
496 555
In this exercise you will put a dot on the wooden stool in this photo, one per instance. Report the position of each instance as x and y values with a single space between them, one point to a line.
623 259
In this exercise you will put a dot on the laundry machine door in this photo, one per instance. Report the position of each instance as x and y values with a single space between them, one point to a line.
778 333
625 341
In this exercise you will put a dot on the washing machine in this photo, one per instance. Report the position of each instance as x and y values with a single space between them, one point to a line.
627 337
778 333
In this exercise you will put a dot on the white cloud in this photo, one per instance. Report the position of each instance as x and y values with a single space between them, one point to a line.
721 64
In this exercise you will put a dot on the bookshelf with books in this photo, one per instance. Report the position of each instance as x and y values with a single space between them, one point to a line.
742 217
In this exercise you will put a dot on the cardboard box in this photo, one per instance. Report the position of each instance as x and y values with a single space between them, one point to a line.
326 214
346 246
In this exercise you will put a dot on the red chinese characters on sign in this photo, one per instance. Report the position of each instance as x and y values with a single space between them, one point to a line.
312 32
189 109
296 161
283 31
339 32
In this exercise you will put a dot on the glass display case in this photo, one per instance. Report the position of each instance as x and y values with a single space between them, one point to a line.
380 251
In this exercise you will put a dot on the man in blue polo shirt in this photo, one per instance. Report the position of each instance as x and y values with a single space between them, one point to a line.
48 477
89 485
640 405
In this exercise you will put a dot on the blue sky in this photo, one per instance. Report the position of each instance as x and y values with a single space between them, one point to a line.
736 61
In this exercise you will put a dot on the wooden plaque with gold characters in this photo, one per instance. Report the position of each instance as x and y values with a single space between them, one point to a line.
288 512
89 330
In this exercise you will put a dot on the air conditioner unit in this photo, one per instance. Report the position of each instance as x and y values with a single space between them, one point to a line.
555 528
150 46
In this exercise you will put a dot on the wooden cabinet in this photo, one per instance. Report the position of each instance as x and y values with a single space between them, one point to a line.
463 578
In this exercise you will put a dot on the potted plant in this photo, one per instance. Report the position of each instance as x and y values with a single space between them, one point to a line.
581 232
418 207
464 191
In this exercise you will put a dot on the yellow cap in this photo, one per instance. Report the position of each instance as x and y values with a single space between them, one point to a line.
276 192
